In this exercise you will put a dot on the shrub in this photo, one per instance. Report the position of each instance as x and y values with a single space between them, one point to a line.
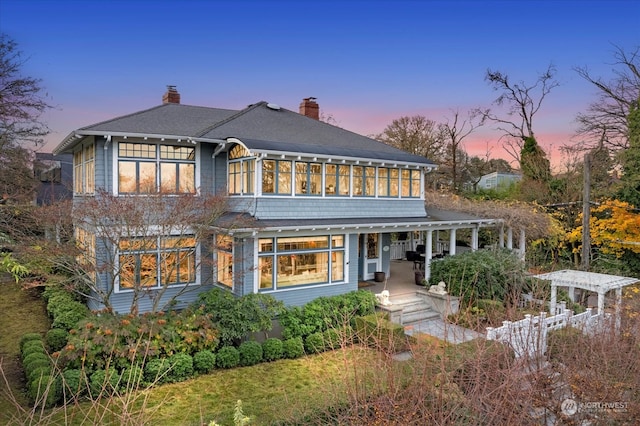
204 362
35 356
314 343
377 331
104 382
30 337
293 348
227 357
33 347
35 374
250 353
181 367
56 339
272 349
46 391
237 317
482 274
70 315
75 383
157 370
36 364
131 378
292 321
333 339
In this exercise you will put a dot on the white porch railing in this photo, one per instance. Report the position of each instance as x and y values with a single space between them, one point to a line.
399 249
528 337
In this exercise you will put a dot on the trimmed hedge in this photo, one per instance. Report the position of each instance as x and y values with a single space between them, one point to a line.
293 348
104 382
227 357
75 383
45 391
56 339
272 349
250 353
377 331
30 337
204 362
131 378
157 370
180 367
314 343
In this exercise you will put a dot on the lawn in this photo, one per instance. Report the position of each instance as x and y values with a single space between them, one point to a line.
21 311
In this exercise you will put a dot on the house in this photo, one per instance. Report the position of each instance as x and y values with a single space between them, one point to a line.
324 201
498 180
55 176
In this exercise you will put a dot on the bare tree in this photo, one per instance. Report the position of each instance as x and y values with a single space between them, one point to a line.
455 130
125 241
606 117
417 135
523 101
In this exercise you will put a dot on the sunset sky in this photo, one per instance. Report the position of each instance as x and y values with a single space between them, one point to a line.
367 62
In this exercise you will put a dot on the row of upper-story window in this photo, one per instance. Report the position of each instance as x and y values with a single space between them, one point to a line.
311 178
144 168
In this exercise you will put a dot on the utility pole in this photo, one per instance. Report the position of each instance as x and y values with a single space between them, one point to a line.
586 214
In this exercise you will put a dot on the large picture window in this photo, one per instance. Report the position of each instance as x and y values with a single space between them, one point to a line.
149 168
296 261
153 262
276 177
308 178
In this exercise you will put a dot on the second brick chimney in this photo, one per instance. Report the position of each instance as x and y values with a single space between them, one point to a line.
310 108
171 96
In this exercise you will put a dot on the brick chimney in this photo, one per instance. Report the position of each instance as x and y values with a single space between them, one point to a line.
310 108
171 96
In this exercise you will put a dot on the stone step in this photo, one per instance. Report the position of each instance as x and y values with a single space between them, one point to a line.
415 316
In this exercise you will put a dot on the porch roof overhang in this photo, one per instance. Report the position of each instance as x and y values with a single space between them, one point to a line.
377 224
600 283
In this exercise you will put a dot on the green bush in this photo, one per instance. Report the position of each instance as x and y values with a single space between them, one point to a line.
46 391
26 361
333 338
237 317
157 370
69 318
75 383
326 313
30 337
482 274
314 343
36 364
204 362
131 378
181 367
37 372
33 347
272 349
377 331
56 339
293 348
104 382
227 357
250 353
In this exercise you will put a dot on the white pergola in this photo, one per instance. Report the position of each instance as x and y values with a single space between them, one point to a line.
591 281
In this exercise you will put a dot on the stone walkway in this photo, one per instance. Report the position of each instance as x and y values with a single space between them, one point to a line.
450 333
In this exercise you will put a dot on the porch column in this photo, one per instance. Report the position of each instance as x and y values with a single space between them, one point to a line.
428 255
501 236
474 238
554 296
572 294
510 238
452 242
522 245
600 301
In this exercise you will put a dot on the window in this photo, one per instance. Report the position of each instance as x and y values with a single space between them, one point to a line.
153 262
224 261
276 177
149 168
308 178
337 179
294 261
364 181
86 243
383 182
241 171
84 170
410 183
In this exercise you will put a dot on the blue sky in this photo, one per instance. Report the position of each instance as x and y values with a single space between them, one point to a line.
367 62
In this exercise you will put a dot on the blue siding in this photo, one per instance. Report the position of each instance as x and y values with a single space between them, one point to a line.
328 208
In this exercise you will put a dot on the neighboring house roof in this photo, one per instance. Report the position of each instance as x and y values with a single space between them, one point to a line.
56 177
261 127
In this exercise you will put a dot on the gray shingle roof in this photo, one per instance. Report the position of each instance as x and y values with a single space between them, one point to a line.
258 126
